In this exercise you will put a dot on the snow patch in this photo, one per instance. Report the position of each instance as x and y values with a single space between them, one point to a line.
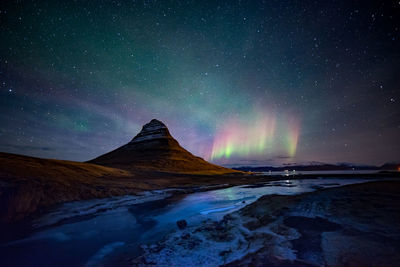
96 259
91 207
205 212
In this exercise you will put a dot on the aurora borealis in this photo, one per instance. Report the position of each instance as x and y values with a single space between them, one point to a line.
236 82
256 136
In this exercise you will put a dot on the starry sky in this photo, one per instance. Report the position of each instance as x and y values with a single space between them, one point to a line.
236 82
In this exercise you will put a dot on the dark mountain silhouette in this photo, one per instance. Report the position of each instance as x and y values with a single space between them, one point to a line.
392 166
320 167
155 149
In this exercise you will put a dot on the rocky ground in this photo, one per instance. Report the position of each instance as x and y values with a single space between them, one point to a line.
356 225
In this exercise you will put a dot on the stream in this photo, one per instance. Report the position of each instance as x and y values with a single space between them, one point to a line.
103 231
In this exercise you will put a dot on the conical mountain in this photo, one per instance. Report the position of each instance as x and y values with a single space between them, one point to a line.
155 149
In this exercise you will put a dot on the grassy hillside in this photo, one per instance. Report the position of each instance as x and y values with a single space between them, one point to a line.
28 184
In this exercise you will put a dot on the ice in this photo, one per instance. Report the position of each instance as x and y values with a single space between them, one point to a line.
90 207
96 259
205 212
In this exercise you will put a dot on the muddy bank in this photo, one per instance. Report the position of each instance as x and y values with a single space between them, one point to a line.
356 225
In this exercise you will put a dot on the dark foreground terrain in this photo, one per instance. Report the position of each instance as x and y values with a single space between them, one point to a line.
29 184
355 225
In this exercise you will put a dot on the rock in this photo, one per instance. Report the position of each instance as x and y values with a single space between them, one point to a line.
181 224
228 217
155 129
186 236
225 252
220 226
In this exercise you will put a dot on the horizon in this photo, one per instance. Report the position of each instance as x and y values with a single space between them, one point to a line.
240 82
271 162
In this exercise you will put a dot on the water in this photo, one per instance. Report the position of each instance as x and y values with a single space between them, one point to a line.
291 172
101 231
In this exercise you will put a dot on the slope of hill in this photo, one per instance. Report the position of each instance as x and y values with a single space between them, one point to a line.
155 149
27 183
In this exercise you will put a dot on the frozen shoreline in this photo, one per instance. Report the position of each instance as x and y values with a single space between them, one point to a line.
111 230
274 230
80 208
89 207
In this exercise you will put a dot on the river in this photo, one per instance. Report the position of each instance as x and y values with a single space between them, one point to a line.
87 233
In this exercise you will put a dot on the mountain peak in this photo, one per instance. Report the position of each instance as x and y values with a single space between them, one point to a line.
156 121
155 129
155 149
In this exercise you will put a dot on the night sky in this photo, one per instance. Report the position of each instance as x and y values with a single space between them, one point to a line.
236 82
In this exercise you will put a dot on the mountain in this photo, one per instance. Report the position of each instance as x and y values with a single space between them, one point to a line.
155 149
391 166
309 167
320 166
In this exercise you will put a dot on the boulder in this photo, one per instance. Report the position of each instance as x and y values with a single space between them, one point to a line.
181 224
